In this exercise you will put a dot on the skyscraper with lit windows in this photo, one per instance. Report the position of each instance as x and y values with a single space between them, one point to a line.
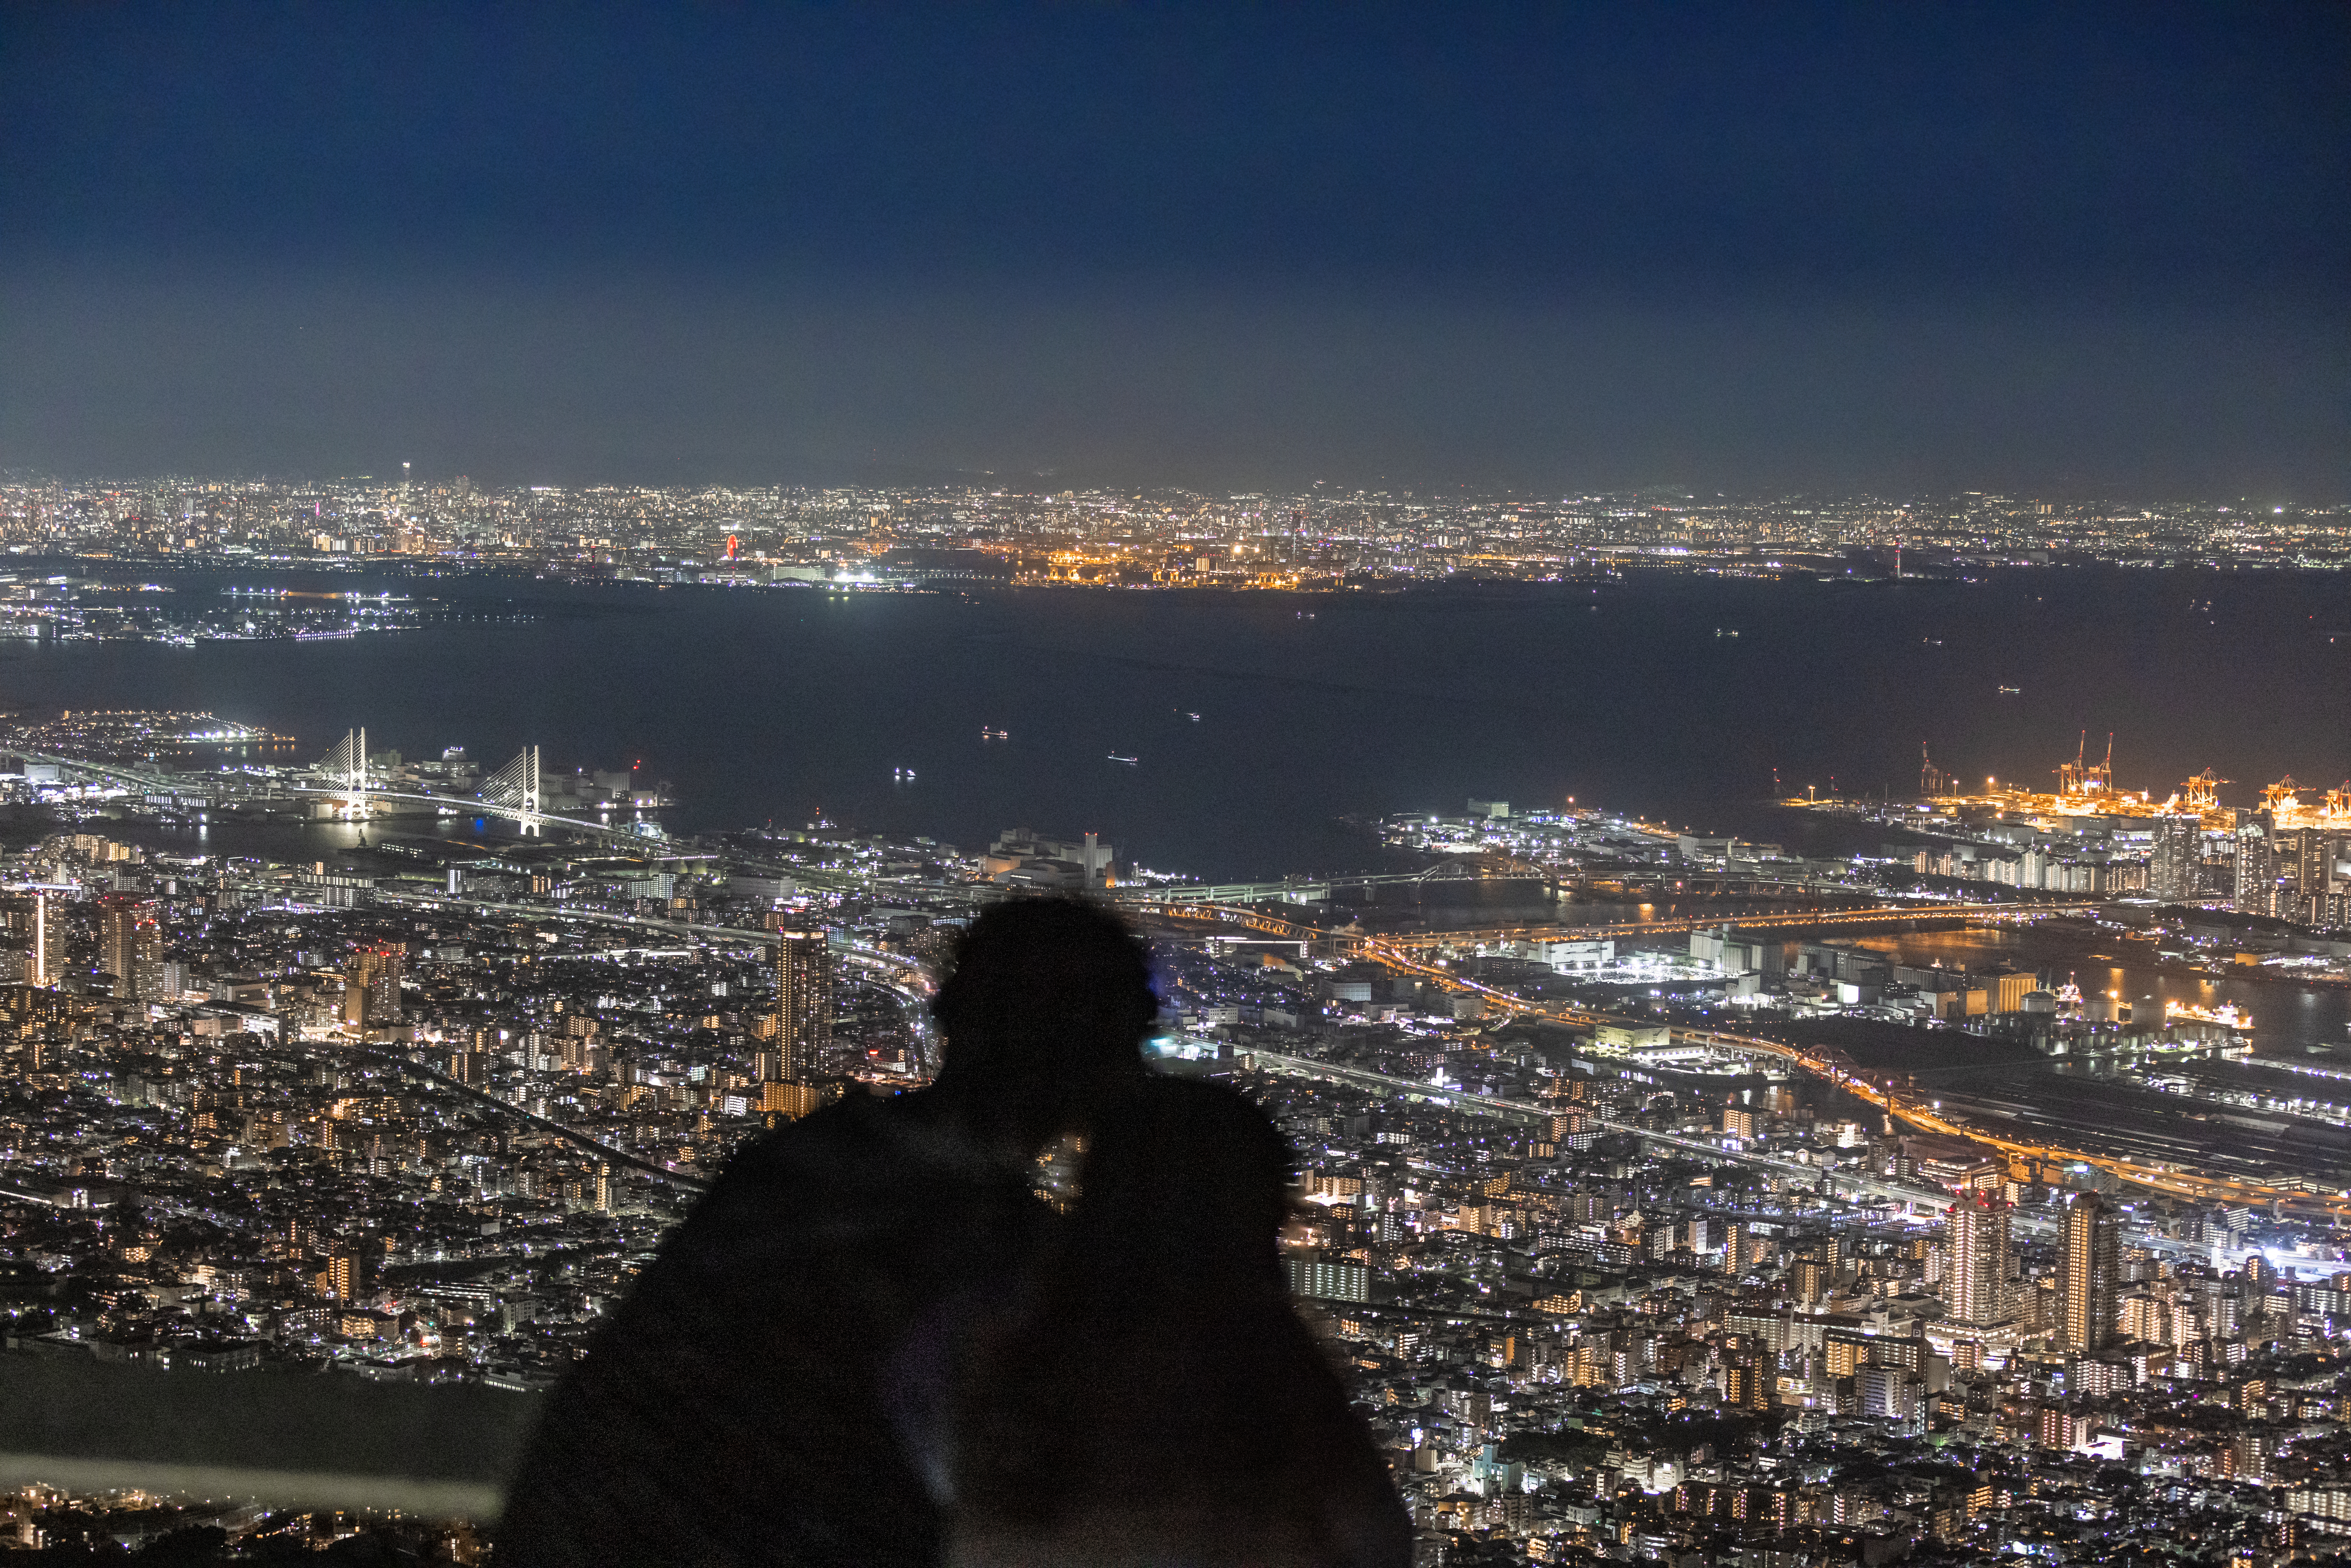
130 945
1975 1275
2087 1289
803 1004
371 987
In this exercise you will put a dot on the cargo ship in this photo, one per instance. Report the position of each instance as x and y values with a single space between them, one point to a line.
2226 1015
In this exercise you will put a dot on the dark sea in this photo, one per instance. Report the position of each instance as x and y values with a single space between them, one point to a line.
1314 712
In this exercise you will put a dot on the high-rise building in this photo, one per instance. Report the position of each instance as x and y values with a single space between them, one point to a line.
2257 869
1886 1393
345 1276
2318 861
2088 1289
2326 896
371 987
1337 1279
130 945
2172 873
1975 1273
46 964
803 1003
1746 1383
1736 1252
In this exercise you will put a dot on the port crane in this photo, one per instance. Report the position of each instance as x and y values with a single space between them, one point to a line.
2201 793
2079 777
1932 781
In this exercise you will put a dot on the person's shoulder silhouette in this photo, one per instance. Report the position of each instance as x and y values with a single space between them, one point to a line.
1161 1402
729 1411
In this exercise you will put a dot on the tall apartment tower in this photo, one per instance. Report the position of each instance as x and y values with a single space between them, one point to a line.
2089 1287
2328 900
803 1003
130 945
371 987
2257 868
1975 1277
2173 872
46 964
2317 860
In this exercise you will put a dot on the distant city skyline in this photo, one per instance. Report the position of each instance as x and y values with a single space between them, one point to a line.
1045 484
1325 537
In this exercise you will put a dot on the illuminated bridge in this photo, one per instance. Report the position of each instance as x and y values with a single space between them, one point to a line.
531 819
340 779
513 794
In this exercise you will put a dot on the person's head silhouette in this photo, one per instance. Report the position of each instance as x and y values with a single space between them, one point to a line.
1045 1010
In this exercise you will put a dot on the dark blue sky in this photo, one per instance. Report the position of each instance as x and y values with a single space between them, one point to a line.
2052 247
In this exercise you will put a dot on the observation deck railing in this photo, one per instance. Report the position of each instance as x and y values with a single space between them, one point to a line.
280 1440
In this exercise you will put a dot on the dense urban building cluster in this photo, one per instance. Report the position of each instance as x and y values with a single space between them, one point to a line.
251 1106
1001 530
1624 1254
1604 1294
1610 1297
1583 1349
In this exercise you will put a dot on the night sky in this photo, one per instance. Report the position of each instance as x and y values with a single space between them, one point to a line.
2068 249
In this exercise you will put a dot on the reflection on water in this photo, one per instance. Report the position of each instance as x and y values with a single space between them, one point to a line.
2288 1018
284 841
1383 703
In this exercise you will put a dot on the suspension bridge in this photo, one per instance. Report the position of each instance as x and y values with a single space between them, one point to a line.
342 782
515 792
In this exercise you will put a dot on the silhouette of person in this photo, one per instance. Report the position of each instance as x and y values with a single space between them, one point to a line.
728 1413
1160 1403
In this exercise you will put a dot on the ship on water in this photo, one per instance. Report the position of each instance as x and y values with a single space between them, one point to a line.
2227 1015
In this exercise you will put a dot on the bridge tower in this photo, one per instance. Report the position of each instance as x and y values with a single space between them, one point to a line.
346 768
516 786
